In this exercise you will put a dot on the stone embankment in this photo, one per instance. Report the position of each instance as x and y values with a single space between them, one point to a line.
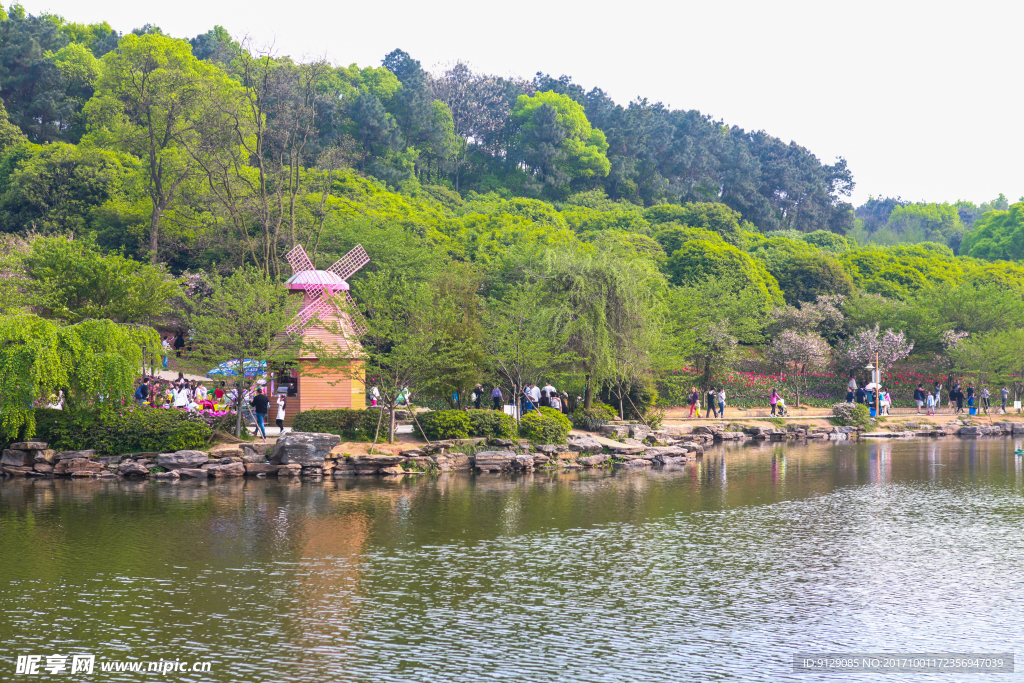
299 454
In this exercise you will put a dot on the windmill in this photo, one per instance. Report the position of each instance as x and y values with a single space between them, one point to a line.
320 287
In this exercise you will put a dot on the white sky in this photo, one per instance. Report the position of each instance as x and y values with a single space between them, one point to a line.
918 96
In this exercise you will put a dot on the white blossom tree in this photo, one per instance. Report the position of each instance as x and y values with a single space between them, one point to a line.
802 352
870 345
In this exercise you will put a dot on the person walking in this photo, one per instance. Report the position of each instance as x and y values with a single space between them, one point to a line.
970 394
694 399
496 398
919 397
555 403
985 395
179 343
165 345
259 404
721 402
959 398
773 400
281 407
861 396
712 402
851 386
930 401
478 396
1004 395
884 401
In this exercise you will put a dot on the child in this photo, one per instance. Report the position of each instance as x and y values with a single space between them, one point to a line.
780 406
930 403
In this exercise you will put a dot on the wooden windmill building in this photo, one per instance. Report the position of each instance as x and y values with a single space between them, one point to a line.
329 317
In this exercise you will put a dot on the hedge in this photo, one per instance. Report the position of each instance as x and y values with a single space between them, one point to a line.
132 430
544 426
491 423
591 420
445 424
353 425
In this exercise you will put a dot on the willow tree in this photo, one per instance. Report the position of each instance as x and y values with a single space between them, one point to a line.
599 301
92 365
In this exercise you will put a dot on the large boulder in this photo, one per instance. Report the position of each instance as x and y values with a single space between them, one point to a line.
630 447
132 469
308 449
235 469
16 458
29 446
73 455
189 473
493 461
181 460
613 431
593 460
47 455
522 462
584 444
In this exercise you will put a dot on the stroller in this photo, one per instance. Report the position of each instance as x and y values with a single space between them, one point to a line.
780 408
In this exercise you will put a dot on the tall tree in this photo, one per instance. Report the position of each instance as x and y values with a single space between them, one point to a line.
147 103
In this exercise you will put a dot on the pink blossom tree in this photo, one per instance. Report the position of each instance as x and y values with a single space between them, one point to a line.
864 347
803 352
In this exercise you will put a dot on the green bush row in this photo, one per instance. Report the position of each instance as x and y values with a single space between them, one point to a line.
352 425
132 430
462 424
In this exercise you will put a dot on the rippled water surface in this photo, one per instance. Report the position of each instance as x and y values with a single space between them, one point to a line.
720 570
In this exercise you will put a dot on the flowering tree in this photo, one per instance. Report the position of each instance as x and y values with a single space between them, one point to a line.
869 345
805 352
825 316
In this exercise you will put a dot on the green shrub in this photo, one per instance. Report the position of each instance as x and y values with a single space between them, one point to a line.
445 424
491 423
851 415
544 426
131 430
591 420
353 425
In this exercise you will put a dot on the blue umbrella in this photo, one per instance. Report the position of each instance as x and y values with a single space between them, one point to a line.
253 368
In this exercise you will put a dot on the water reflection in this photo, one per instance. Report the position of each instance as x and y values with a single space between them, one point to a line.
718 569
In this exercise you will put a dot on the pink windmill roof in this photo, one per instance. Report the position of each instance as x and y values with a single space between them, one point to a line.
307 277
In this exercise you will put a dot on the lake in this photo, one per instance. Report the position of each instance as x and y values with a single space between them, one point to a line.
719 570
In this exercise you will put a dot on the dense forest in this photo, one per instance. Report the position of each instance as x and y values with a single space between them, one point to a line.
632 240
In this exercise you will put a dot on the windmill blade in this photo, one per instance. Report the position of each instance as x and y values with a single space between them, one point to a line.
350 262
319 308
355 317
298 259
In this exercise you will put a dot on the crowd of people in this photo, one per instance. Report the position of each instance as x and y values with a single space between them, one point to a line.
929 401
195 396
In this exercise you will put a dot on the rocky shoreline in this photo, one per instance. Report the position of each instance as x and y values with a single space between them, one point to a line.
311 455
